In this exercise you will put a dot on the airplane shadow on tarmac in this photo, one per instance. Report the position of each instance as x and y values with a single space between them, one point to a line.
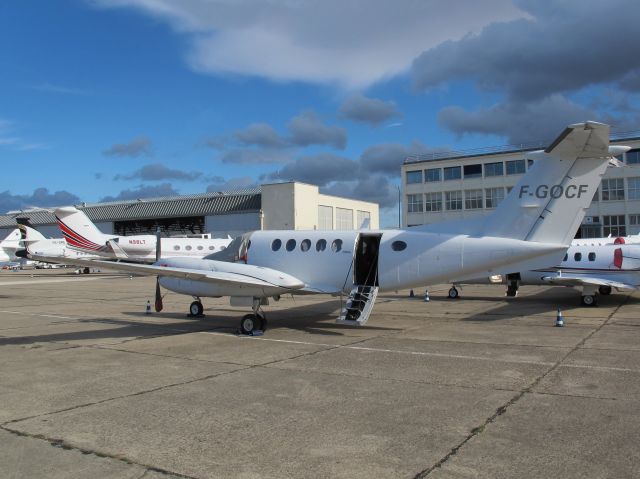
543 302
317 318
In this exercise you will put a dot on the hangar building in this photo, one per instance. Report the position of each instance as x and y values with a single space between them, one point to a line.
455 185
291 205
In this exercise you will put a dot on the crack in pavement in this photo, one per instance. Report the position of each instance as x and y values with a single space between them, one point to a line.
502 409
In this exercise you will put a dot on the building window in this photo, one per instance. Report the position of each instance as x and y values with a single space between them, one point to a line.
634 224
633 188
361 216
433 201
473 199
493 197
473 171
453 200
344 219
614 225
612 189
515 167
596 195
414 203
452 173
633 156
325 217
432 174
590 231
494 169
414 177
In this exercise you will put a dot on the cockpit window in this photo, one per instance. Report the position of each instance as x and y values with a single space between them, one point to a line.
398 245
336 245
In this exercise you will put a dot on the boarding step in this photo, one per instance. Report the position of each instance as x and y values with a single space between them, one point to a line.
359 305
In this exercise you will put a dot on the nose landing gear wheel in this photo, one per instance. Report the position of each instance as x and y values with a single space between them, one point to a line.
589 300
196 309
453 293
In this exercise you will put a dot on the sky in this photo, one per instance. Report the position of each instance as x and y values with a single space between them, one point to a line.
103 100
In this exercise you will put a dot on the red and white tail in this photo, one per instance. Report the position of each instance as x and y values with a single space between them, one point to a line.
79 231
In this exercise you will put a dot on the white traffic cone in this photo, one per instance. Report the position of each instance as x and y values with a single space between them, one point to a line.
148 311
426 297
559 319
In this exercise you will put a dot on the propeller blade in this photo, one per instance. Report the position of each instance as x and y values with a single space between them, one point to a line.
158 304
158 245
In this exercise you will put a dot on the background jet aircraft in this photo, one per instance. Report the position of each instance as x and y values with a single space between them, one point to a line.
9 245
532 227
596 268
80 234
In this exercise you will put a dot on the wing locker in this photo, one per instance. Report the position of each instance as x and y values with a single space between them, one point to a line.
364 291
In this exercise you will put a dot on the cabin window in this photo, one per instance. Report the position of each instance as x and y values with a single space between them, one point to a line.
200 248
211 248
398 245
577 256
222 247
336 245
305 245
188 247
176 248
566 257
321 245
248 245
291 245
592 256
276 244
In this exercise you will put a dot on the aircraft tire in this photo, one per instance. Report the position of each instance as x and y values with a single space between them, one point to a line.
453 293
196 309
604 290
248 323
589 300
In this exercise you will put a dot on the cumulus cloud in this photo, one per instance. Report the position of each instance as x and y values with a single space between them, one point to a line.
139 146
159 172
373 111
39 198
520 122
307 129
218 183
255 156
562 46
318 169
287 41
260 134
155 191
387 158
376 188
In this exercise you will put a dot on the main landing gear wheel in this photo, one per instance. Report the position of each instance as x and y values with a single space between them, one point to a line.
453 293
196 309
248 323
604 290
589 300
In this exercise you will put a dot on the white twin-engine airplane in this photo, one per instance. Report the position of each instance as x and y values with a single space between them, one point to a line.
532 227
80 234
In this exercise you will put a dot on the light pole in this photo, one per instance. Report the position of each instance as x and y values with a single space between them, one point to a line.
399 208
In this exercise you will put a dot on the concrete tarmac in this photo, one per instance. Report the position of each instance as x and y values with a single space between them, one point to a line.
478 387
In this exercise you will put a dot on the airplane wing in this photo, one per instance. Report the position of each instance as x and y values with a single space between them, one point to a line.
243 276
575 280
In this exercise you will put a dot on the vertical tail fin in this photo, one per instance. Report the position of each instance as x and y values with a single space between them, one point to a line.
79 231
549 202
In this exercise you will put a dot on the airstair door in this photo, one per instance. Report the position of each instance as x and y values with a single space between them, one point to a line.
365 281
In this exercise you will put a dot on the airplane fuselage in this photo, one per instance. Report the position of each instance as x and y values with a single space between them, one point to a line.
333 261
